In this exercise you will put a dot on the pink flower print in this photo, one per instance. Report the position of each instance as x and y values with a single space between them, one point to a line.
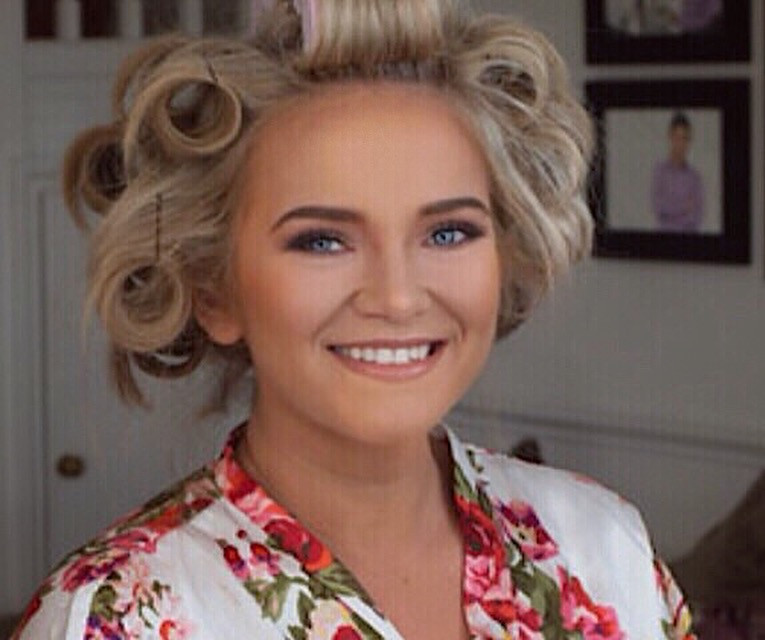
144 603
480 574
484 553
520 523
258 506
580 613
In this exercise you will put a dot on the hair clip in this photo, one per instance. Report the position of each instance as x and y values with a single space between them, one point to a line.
211 70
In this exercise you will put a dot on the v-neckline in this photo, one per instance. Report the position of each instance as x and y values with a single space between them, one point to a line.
312 555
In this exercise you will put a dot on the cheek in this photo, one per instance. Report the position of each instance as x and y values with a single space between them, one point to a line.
284 302
476 283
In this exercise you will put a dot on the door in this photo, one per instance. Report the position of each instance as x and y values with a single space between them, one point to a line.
104 458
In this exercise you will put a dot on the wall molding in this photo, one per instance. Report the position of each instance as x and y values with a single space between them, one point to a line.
520 424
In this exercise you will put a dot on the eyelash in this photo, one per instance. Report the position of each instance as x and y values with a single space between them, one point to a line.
306 241
468 230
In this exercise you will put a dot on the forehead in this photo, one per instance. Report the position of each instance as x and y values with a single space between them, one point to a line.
372 144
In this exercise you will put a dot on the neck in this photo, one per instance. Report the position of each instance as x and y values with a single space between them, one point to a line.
346 491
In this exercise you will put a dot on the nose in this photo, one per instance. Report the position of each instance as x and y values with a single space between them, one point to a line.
393 287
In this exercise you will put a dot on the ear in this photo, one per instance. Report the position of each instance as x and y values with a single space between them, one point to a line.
218 317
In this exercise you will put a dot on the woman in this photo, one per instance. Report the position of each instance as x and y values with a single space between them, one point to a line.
354 205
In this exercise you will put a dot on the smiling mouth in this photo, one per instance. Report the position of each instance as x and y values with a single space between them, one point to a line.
389 356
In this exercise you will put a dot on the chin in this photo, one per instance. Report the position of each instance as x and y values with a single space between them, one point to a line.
390 424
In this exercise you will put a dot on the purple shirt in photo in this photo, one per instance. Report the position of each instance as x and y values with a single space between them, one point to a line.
697 15
678 197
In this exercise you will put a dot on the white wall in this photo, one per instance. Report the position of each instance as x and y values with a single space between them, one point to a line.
648 351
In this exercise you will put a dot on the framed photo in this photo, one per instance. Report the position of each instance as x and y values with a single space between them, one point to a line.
620 31
671 173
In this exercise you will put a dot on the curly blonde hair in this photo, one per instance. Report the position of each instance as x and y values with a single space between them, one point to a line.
163 174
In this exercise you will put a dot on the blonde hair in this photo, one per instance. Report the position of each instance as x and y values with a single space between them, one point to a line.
163 173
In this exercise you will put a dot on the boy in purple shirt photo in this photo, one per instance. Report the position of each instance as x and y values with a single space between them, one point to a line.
677 191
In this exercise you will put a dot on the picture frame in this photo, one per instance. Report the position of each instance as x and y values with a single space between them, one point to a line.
649 205
661 31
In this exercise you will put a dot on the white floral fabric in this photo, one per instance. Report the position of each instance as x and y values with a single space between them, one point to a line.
547 555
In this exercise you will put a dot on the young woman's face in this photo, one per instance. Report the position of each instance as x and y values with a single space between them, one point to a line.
365 273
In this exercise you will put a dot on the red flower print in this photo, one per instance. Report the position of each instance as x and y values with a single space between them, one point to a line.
580 613
478 528
291 537
109 555
261 556
172 630
512 609
346 633
234 560
520 522
484 553
87 568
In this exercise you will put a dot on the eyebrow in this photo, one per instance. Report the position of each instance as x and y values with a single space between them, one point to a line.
341 214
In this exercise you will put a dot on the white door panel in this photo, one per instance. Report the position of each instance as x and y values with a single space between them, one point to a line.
128 454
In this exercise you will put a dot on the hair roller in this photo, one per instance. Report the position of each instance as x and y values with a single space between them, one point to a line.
186 117
197 119
145 307
93 171
137 67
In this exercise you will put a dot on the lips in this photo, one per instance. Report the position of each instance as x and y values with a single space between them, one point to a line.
395 354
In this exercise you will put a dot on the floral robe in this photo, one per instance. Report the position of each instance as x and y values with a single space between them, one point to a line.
547 555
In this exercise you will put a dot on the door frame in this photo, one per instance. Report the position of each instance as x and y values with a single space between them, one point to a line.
22 452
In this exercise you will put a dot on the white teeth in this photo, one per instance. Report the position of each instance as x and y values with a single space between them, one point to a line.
402 355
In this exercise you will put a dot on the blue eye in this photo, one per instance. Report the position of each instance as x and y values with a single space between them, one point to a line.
448 236
316 242
453 234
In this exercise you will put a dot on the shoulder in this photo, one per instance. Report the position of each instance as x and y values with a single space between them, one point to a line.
590 542
576 510
121 577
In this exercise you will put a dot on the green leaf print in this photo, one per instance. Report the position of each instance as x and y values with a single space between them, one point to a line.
102 604
366 631
462 486
297 633
543 594
485 503
305 607
273 596
336 580
473 462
